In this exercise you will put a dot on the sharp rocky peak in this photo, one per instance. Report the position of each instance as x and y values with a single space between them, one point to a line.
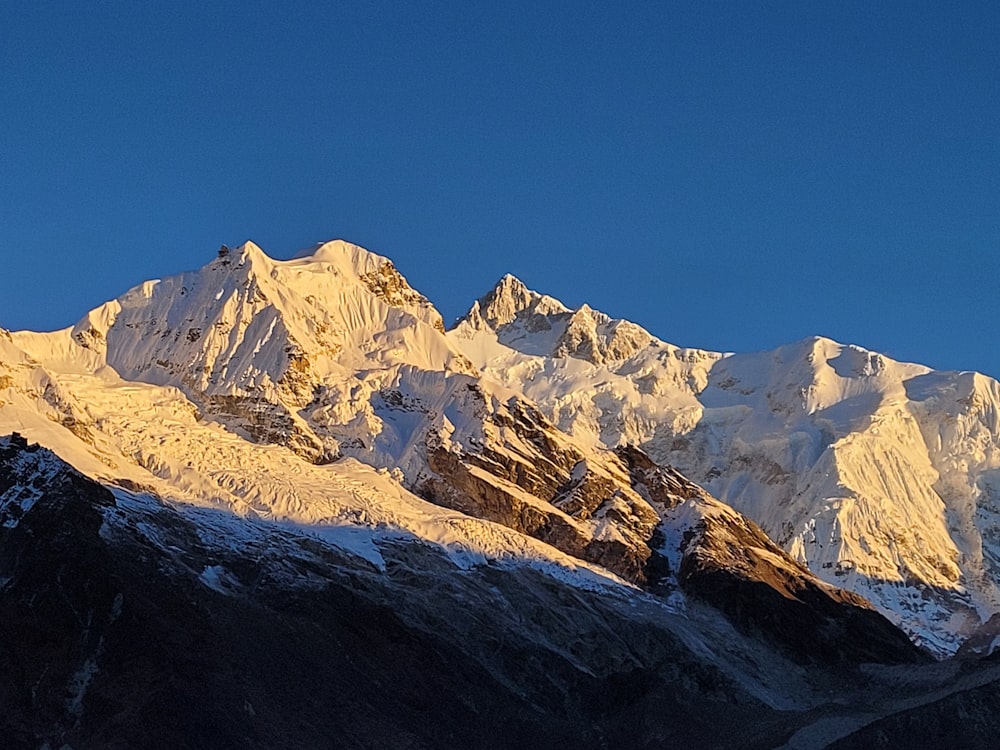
537 324
511 301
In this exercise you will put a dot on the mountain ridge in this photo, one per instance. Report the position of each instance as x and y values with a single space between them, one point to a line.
333 355
780 435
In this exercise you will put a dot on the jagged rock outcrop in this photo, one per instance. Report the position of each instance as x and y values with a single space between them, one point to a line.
511 302
257 342
596 338
334 356
125 619
730 563
527 476
713 553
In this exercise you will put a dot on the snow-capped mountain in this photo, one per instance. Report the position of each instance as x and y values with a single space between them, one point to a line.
181 384
128 621
880 476
333 355
260 441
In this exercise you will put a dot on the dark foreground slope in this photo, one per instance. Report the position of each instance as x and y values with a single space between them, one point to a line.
126 623
120 626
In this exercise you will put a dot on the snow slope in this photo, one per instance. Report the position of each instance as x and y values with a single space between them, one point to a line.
334 355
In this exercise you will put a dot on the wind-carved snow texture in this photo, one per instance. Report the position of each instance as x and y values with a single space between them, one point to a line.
883 477
270 346
333 355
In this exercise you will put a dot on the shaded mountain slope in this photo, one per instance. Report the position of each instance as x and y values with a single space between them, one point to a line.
301 512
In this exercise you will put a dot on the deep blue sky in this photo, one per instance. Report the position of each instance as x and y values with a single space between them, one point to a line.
730 175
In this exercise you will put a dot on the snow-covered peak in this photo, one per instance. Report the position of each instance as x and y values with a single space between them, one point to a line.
293 351
508 298
10 353
346 264
343 256
597 338
536 324
501 306
806 377
510 302
872 472
251 252
238 325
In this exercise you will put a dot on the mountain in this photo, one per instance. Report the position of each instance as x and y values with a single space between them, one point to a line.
272 469
177 386
880 476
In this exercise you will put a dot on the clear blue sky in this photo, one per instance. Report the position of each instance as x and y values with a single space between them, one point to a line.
730 175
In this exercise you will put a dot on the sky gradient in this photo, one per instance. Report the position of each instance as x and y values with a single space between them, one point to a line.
731 176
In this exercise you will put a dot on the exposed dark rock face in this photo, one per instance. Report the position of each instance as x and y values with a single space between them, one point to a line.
596 338
729 562
123 624
387 283
538 483
265 356
663 485
264 421
726 561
